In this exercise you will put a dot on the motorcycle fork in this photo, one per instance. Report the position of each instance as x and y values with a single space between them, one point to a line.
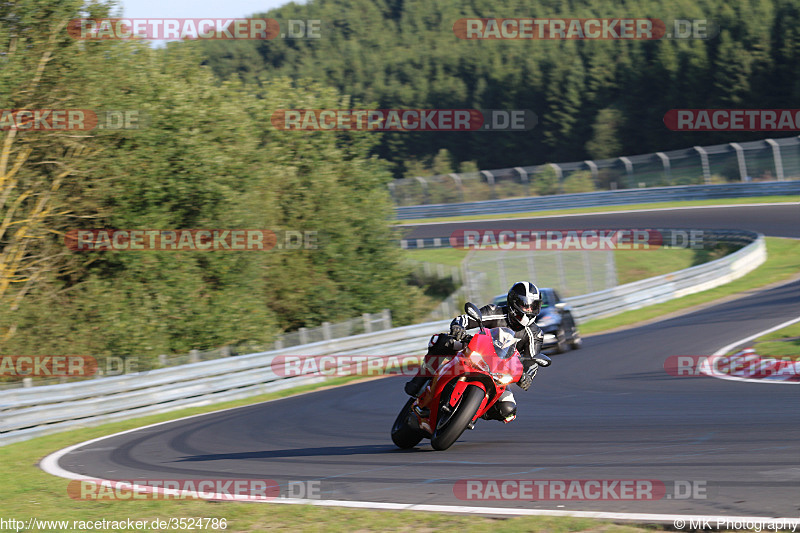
426 423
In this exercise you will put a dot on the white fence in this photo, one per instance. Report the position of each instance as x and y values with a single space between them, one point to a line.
31 412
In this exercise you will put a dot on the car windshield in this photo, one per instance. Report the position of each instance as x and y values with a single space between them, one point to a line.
503 341
547 299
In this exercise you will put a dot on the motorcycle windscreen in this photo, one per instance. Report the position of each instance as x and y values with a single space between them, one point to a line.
503 342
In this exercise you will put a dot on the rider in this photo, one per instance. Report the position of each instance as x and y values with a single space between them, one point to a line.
523 304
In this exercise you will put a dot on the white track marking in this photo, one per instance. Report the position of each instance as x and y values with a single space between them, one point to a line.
51 466
731 346
533 214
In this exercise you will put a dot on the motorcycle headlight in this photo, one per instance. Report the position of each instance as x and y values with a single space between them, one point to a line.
477 359
502 379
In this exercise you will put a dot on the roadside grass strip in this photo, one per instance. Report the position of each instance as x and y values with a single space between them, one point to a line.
655 206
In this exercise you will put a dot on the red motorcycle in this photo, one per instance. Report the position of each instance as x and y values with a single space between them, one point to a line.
461 390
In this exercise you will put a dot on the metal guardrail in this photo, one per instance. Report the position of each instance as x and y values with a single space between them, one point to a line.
666 287
602 198
31 412
743 162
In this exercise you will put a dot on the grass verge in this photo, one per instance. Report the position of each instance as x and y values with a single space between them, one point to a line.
784 342
608 209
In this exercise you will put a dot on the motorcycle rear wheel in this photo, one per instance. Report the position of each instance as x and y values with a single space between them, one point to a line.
448 433
404 436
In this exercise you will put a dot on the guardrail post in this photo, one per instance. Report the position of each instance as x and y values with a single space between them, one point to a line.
587 270
524 179
367 323
593 167
559 176
424 189
741 161
776 155
393 192
531 268
523 176
704 163
455 275
162 359
628 168
460 184
27 382
194 356
387 319
560 268
326 331
279 343
667 168
611 270
501 272
225 351
490 180
303 335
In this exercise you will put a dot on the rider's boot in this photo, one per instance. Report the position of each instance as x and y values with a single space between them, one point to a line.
416 385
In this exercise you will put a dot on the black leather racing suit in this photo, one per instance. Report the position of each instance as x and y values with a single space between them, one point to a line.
494 316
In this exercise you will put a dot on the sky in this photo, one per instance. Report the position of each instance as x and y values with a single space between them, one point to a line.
197 8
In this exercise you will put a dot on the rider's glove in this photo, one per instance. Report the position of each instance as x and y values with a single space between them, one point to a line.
527 378
458 332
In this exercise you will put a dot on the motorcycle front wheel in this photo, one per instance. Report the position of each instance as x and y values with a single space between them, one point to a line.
404 436
450 426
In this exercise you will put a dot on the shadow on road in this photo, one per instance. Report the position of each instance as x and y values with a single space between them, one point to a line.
302 452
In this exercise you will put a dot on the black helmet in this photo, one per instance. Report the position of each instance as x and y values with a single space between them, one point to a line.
524 302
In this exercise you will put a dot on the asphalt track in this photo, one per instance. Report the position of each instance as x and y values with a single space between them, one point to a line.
777 220
607 411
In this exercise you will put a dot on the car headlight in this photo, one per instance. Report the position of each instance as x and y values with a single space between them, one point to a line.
502 379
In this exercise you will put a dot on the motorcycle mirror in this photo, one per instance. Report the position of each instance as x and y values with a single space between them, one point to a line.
473 312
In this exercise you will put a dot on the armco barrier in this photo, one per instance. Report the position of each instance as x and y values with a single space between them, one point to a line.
666 287
602 198
31 412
